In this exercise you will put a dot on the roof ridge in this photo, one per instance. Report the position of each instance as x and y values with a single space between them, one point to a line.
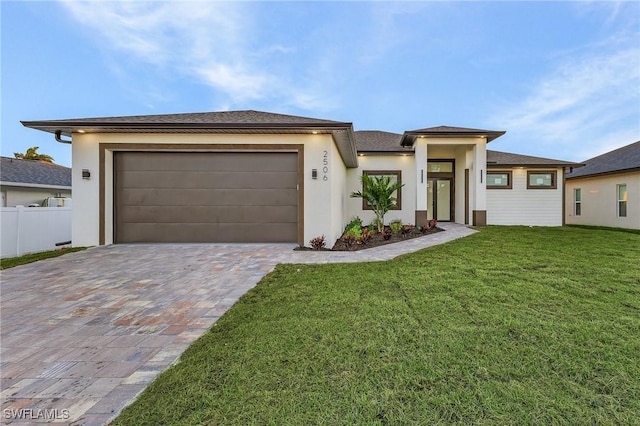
612 151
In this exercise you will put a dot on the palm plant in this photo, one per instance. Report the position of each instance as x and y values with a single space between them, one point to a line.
32 154
378 192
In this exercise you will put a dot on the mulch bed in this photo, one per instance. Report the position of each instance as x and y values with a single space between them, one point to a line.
376 240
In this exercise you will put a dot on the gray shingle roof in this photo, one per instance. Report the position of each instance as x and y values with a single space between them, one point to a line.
498 158
623 159
34 172
224 122
386 142
378 141
449 131
245 117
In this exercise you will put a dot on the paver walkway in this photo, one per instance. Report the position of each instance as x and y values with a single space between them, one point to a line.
83 334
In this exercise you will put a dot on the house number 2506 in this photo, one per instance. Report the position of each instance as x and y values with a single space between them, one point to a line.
325 165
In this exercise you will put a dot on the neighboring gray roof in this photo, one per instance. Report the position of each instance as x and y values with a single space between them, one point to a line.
34 172
378 141
506 159
623 159
449 131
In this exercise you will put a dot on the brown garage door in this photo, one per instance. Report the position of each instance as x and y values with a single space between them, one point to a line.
206 197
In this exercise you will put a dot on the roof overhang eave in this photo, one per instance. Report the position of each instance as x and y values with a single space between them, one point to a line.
408 138
66 128
346 142
34 185
392 153
531 165
342 133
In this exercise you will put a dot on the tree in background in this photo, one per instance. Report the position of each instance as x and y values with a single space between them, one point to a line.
32 154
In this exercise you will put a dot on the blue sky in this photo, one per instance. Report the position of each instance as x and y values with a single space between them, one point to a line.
562 78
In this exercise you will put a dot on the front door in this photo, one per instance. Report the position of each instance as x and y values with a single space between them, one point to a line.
439 197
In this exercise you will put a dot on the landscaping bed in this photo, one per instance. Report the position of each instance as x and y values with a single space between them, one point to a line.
358 237
378 239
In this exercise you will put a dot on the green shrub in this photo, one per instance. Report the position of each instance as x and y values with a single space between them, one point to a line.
354 231
356 222
395 226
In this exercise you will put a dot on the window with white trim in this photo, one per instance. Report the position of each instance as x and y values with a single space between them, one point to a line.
577 202
622 200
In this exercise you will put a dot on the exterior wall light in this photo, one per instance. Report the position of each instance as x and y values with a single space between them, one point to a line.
314 173
86 174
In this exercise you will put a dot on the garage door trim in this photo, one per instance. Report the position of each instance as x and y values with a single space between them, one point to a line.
204 148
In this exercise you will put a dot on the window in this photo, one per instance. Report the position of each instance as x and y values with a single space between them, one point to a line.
577 202
541 180
499 180
395 175
622 200
443 166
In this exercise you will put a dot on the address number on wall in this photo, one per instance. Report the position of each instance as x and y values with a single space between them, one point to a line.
325 165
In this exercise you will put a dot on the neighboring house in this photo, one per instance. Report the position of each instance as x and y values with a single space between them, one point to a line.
249 176
25 182
606 192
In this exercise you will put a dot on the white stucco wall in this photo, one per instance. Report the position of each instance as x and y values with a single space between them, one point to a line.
86 192
599 201
324 209
338 181
420 170
318 198
461 165
404 163
522 206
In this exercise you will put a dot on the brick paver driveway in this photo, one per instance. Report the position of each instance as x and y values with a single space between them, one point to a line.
83 334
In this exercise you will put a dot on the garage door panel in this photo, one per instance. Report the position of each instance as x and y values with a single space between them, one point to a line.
223 162
208 180
206 197
209 214
204 233
209 197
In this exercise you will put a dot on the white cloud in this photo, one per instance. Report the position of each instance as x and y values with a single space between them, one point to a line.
242 84
591 99
212 42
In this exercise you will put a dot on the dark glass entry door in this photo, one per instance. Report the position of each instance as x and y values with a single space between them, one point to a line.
439 199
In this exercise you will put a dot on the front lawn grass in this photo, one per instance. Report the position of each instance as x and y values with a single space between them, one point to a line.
11 262
511 326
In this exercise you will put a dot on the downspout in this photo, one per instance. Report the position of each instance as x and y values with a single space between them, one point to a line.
59 139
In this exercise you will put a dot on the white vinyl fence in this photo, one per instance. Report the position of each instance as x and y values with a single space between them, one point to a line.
32 229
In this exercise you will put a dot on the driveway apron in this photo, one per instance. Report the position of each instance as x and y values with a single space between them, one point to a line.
83 334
